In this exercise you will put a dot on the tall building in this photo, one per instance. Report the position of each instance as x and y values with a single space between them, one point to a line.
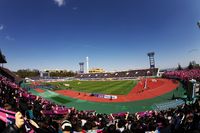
96 70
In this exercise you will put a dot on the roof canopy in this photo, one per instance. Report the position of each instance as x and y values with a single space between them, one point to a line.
2 58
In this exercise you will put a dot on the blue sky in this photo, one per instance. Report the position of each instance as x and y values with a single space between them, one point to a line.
115 34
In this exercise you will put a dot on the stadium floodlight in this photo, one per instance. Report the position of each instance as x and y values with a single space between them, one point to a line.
198 23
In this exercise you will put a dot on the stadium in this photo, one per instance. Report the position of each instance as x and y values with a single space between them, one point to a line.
118 93
104 95
99 66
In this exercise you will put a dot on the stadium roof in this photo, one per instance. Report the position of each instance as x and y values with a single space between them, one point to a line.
2 58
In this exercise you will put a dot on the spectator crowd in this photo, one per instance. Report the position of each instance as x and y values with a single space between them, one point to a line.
24 112
120 75
184 75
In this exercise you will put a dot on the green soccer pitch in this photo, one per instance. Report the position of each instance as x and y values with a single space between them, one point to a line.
102 87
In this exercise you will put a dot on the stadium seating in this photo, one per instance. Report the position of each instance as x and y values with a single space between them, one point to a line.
168 105
7 73
184 75
49 117
122 74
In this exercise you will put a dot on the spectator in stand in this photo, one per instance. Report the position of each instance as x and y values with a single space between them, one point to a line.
15 128
29 113
66 126
44 116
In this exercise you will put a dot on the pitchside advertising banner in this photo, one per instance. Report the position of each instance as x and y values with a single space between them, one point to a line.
110 97
105 96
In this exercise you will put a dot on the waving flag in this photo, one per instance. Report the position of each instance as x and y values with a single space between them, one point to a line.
9 118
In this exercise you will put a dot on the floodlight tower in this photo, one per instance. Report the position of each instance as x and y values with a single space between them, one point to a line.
81 64
151 59
87 64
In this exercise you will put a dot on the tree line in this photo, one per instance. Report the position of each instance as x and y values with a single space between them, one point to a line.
27 73
192 65
62 74
23 73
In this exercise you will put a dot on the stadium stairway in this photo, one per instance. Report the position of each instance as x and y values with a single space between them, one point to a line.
168 105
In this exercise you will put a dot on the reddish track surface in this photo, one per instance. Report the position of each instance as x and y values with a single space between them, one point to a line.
154 89
39 90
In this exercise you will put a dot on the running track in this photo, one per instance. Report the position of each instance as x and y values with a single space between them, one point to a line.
154 89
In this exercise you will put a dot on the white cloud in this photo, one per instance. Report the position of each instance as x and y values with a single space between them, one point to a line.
1 27
60 2
9 38
75 8
193 50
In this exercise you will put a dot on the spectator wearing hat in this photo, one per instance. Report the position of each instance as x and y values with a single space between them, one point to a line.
66 126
